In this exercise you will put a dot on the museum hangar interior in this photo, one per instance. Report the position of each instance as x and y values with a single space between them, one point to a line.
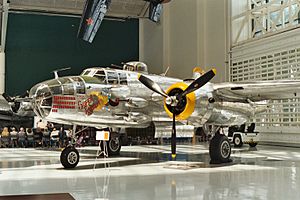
150 99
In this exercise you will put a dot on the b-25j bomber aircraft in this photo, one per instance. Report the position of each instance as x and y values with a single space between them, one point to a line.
114 98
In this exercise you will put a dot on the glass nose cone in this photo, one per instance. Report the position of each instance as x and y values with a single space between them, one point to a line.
42 99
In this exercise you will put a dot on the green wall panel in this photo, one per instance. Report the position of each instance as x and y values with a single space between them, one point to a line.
38 44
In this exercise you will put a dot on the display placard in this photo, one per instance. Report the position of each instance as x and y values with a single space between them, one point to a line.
102 135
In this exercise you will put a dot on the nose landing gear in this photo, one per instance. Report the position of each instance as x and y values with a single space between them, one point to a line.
69 157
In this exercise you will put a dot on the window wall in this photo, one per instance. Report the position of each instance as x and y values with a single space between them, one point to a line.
258 18
265 45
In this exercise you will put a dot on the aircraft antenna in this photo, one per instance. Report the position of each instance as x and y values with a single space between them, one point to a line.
59 70
166 72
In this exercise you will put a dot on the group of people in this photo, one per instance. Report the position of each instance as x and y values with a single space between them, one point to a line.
46 134
35 137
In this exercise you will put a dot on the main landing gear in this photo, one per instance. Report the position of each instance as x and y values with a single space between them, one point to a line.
219 147
69 157
114 144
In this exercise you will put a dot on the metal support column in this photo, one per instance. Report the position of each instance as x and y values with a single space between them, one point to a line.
4 18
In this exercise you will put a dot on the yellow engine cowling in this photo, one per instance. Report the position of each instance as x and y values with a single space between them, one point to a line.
189 105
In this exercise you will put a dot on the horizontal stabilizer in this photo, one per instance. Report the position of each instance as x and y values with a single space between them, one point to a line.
92 16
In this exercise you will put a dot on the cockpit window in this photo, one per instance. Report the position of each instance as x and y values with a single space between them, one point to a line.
85 73
141 68
123 78
101 76
91 80
112 78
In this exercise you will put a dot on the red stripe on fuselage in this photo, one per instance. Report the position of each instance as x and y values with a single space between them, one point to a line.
63 102
64 98
63 107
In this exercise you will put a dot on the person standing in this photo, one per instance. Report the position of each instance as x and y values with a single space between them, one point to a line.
54 138
14 137
5 138
22 138
62 136
30 137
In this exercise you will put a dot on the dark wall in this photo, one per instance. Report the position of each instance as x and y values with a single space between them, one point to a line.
38 44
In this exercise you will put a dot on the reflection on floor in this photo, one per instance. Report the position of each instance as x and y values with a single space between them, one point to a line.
144 172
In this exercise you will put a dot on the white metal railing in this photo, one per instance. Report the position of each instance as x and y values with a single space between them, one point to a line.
261 18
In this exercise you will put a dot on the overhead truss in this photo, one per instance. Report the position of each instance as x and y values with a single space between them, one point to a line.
118 8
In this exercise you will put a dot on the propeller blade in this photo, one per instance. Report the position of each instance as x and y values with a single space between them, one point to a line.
198 83
152 85
173 139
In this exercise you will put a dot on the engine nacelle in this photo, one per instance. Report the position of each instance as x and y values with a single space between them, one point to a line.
186 107
136 102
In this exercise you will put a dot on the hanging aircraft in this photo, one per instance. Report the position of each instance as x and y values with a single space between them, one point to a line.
104 97
95 10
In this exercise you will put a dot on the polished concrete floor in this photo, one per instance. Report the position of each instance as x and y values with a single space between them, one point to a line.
144 172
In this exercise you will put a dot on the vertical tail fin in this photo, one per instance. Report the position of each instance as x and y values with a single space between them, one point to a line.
92 16
155 10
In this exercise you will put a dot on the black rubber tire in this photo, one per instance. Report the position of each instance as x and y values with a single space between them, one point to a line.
253 144
236 144
220 149
114 145
69 157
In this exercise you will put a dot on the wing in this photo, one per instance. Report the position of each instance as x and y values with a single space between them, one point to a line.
19 105
93 14
257 91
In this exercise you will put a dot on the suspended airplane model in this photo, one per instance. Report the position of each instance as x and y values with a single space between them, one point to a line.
95 10
114 99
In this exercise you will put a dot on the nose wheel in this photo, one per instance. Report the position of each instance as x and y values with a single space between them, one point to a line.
69 157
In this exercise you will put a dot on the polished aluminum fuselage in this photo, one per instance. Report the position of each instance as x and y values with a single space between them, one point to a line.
138 106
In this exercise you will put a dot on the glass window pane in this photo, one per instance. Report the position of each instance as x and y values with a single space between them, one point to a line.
101 76
112 78
123 78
